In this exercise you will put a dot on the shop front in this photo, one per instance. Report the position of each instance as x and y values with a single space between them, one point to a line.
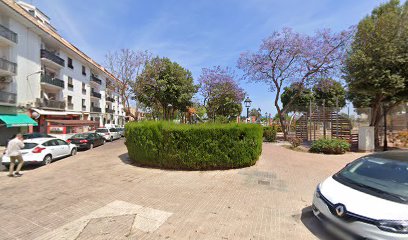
66 128
11 124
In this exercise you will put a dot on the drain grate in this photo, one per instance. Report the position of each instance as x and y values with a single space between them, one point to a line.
264 182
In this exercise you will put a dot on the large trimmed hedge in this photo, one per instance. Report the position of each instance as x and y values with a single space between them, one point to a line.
193 147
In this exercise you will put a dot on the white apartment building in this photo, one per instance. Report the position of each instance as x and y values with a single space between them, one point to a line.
46 83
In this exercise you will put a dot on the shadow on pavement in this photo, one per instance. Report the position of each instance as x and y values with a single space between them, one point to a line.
312 223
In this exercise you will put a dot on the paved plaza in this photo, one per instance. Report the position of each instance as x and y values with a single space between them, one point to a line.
98 194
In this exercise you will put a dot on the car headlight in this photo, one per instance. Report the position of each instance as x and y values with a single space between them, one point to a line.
397 226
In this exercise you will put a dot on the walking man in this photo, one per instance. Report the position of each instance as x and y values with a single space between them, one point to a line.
14 152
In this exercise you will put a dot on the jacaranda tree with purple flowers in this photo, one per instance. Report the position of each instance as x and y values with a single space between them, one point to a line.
222 95
288 57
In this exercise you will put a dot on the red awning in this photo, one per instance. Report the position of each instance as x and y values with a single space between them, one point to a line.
72 122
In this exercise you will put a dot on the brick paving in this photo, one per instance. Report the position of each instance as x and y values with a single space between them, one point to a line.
270 200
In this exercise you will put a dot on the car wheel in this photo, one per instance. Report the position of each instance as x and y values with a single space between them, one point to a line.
111 139
103 142
91 146
47 160
73 151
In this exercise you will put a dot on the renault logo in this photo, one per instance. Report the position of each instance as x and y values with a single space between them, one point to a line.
340 210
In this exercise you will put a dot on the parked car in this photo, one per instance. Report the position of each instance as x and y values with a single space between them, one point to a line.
87 140
121 130
368 199
44 150
109 134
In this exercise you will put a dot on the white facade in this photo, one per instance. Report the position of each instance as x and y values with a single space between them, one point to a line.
44 79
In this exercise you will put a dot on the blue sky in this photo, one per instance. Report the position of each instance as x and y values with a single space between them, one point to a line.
196 33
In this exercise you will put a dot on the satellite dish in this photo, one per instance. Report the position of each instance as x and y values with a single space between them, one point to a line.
46 96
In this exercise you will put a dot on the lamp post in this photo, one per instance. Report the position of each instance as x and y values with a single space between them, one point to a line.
248 105
170 106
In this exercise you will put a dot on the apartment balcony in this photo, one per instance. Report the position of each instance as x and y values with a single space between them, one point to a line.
96 109
107 110
52 82
51 59
49 104
7 37
96 95
8 98
96 80
7 68
110 99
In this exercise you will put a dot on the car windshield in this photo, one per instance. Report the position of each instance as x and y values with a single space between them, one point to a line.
29 145
113 130
81 135
381 177
103 130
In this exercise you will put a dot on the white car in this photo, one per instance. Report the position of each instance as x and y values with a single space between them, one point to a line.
109 134
368 199
43 150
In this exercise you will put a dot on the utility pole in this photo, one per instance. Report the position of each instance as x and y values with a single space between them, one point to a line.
385 147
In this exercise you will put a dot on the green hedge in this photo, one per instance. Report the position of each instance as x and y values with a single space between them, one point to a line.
193 147
330 146
269 134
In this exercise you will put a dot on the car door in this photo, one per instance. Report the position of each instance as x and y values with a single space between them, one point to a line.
63 147
98 140
53 148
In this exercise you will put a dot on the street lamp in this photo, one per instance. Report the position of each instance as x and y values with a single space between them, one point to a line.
248 105
169 112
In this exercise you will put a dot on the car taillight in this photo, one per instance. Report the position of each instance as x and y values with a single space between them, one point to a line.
69 141
106 133
83 141
38 150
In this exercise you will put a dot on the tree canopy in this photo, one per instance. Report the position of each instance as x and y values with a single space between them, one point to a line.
288 57
221 93
376 69
165 85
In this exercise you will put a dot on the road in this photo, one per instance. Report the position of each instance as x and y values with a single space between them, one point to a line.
98 194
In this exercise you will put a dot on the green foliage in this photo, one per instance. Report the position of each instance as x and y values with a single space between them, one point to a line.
376 70
193 147
330 146
329 91
301 101
269 134
295 142
164 82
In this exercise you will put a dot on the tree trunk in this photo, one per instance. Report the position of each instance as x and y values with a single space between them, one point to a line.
375 122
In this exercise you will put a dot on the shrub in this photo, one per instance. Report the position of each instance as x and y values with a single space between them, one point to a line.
330 146
269 134
193 147
295 142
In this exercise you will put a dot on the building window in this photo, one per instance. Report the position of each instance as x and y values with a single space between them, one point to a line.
83 88
70 84
70 63
69 103
83 70
83 103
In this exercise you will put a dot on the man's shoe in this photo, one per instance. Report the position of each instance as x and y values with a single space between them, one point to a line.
17 174
10 175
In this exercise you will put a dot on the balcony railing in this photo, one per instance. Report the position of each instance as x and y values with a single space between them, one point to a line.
107 110
70 106
95 79
7 33
46 103
95 94
96 109
53 81
110 99
7 97
8 66
51 56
